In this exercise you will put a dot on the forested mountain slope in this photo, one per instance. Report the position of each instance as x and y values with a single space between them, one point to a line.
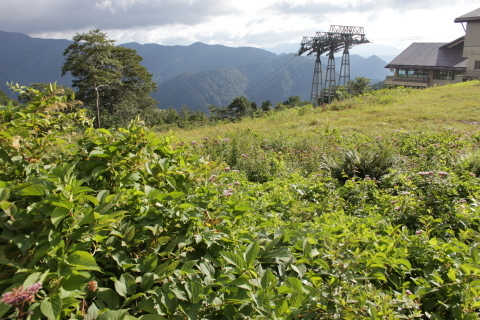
197 75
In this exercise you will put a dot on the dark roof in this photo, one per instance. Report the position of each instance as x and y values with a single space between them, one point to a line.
455 42
471 16
444 56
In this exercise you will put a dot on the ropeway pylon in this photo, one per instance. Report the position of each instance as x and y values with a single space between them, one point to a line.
330 83
338 38
344 78
317 82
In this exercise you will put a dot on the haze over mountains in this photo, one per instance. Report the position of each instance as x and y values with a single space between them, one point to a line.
384 52
197 75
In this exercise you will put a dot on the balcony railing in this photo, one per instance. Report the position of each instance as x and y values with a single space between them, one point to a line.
407 79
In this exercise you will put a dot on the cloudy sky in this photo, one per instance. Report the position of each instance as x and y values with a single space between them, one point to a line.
259 23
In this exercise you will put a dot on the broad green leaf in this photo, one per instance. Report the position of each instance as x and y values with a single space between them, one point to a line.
175 195
191 311
34 278
296 300
188 265
476 255
404 262
300 269
112 315
180 294
268 280
9 207
234 259
130 283
147 305
322 263
251 254
206 268
241 208
74 282
281 307
58 214
121 288
98 153
32 190
24 242
129 234
92 312
170 301
166 268
282 254
51 307
295 284
152 317
452 274
146 281
243 283
109 297
4 194
92 199
88 218
83 260
126 286
194 291
4 308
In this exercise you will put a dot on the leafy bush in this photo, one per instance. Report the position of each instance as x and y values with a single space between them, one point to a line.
127 224
364 162
471 162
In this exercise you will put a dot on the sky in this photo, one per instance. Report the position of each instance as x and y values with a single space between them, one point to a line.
256 23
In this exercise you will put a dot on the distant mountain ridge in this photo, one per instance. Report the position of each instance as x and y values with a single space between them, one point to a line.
197 75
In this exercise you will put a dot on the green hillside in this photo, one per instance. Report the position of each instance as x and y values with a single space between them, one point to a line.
275 79
367 209
454 107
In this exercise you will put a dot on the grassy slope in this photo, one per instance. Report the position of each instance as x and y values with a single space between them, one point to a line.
453 107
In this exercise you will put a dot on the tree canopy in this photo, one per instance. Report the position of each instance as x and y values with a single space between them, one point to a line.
109 79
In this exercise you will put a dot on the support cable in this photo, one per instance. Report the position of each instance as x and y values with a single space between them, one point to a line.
274 84
273 75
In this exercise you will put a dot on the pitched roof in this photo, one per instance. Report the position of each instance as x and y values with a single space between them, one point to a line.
471 16
444 56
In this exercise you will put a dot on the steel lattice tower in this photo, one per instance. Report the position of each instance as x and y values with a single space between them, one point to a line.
336 39
345 70
317 80
330 83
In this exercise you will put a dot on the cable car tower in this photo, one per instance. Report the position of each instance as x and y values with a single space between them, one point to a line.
336 39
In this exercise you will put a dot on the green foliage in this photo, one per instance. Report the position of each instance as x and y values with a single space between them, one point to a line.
32 91
360 86
4 99
365 162
110 80
128 224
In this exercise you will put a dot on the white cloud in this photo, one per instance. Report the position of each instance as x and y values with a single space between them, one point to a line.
263 23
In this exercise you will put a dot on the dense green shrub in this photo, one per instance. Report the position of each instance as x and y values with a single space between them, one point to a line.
371 162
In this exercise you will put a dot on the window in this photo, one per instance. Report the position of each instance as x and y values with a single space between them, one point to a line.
477 64
413 73
446 74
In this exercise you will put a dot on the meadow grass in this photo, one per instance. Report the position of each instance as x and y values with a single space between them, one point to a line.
452 108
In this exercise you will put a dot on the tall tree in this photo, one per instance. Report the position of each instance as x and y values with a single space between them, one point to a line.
360 86
109 79
239 108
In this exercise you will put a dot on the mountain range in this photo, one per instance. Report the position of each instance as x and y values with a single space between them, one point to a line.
197 75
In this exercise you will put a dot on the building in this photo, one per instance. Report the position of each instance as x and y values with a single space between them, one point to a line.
471 47
436 64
